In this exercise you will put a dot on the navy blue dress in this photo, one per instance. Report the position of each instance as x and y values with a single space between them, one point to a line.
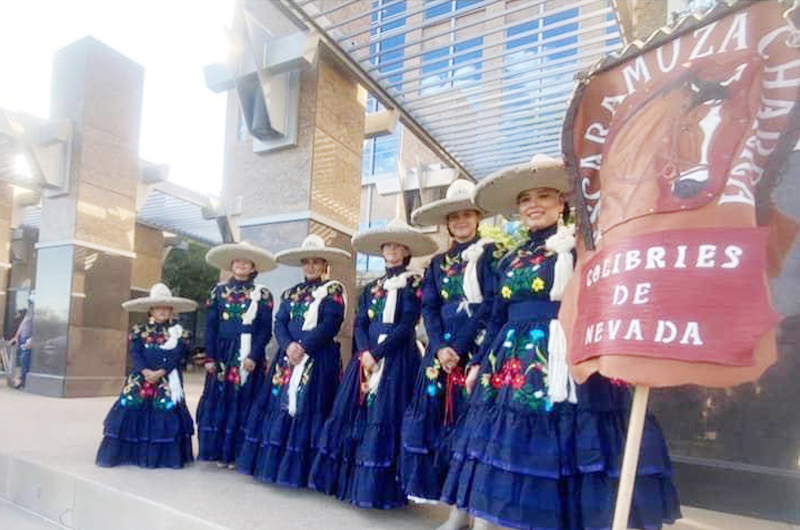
360 443
225 402
280 447
145 427
440 399
522 461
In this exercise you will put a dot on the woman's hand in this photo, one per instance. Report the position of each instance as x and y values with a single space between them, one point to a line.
472 377
295 353
153 376
368 361
448 358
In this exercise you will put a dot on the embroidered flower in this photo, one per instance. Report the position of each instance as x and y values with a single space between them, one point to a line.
445 295
431 372
497 381
518 381
513 366
537 285
370 313
506 292
432 389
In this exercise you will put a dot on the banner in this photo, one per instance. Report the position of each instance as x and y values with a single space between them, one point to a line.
674 147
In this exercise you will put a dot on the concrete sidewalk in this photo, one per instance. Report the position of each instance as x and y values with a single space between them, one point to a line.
47 450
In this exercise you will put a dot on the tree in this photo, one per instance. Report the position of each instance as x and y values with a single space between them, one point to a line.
187 273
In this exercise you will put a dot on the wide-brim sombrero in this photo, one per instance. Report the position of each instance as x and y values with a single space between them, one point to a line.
160 296
458 199
221 256
313 246
397 231
499 191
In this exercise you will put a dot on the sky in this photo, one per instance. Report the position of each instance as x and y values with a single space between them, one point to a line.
182 120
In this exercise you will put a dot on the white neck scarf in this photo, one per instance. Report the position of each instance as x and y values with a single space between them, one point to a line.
174 378
392 285
561 385
246 339
472 287
312 313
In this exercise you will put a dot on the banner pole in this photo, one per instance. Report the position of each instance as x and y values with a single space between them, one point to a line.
630 459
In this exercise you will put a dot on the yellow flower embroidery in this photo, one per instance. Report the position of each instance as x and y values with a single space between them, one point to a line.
506 291
444 294
370 313
431 372
537 285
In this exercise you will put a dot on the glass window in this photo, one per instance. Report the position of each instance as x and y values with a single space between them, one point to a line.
379 157
538 74
452 65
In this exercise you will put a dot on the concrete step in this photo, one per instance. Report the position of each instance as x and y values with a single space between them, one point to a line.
15 518
47 449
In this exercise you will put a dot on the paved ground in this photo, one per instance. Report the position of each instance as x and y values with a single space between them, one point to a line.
63 434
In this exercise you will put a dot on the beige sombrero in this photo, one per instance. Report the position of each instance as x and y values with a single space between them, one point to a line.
313 246
160 296
499 191
221 256
397 231
457 199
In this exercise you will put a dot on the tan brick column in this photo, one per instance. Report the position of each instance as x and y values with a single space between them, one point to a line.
86 237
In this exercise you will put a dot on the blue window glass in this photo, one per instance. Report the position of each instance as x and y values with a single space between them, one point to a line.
438 8
451 62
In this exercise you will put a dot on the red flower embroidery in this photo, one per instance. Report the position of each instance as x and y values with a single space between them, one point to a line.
512 366
419 293
338 299
518 381
497 381
233 376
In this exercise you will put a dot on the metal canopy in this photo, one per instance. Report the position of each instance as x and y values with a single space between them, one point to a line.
165 211
486 82
172 213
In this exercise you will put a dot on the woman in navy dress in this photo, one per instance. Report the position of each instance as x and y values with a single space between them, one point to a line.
457 297
535 451
149 425
360 443
238 328
284 425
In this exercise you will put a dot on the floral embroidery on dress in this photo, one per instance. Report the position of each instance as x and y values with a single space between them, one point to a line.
299 298
234 300
137 391
432 375
153 336
522 275
377 299
523 372
283 374
229 374
453 277
336 293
